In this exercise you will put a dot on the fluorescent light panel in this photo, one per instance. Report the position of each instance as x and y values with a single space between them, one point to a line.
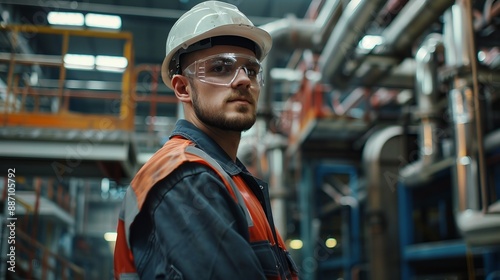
79 61
63 18
90 19
100 62
109 69
111 61
103 21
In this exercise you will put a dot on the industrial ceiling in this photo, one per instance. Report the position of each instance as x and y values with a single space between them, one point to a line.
149 22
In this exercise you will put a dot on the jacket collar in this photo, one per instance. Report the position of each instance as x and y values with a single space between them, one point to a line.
189 131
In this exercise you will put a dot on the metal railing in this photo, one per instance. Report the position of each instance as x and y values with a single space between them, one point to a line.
20 91
35 259
49 262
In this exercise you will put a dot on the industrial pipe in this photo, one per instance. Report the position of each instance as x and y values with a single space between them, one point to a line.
426 91
290 34
414 18
348 31
381 160
476 225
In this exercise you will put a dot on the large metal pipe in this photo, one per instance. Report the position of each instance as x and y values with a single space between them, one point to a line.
466 168
472 218
381 161
348 31
414 18
461 103
426 91
290 34
427 63
278 190
477 227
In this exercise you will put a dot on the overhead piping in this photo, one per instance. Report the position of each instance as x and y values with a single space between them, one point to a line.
348 31
414 18
290 34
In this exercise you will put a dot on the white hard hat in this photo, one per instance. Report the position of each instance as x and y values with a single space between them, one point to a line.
211 19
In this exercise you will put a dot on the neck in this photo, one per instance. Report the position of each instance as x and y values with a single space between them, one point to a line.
228 140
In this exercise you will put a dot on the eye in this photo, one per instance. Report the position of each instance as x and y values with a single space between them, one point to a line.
221 67
251 73
252 70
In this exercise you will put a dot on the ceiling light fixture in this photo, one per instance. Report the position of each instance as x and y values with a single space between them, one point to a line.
79 61
111 63
103 21
63 18
101 62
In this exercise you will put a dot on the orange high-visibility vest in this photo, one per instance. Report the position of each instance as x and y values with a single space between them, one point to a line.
174 153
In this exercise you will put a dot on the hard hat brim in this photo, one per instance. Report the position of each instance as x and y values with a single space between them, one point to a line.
261 38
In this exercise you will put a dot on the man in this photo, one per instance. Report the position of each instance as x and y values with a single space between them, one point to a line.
194 211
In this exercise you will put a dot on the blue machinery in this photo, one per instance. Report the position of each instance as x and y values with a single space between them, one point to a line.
317 255
437 217
450 251
351 219
428 242
482 251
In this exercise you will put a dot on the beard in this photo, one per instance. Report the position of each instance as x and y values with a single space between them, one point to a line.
217 118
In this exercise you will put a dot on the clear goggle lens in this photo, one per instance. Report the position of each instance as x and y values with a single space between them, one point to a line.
222 69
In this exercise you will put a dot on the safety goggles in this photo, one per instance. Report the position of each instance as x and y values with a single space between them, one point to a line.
222 69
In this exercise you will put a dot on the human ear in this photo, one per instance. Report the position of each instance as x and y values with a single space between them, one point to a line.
181 88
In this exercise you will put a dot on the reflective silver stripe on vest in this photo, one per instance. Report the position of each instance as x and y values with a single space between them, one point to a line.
195 151
128 216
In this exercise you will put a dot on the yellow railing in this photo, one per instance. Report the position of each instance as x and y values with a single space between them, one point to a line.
14 110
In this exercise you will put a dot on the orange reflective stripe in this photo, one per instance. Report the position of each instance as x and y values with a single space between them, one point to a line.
262 229
123 258
162 163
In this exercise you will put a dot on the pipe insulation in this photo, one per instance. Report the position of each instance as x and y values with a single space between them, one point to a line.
349 29
473 220
414 18
427 95
290 34
411 22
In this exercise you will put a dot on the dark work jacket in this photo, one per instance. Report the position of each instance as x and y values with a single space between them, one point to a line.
190 227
